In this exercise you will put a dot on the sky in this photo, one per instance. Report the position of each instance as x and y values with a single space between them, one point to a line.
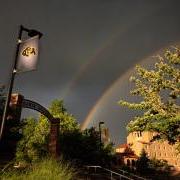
88 52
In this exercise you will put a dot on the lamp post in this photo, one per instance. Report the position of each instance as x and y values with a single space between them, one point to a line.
31 33
100 140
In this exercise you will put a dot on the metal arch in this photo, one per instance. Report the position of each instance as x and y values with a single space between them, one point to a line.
26 103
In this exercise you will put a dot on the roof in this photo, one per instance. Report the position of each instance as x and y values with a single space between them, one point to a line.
122 146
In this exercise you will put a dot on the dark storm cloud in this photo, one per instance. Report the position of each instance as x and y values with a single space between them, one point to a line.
124 32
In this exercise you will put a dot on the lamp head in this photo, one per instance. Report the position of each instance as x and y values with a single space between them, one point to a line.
33 33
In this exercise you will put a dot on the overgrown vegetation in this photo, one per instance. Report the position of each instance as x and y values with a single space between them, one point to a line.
85 148
79 147
33 144
47 169
142 164
159 89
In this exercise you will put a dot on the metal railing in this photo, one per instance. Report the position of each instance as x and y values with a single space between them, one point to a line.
131 174
110 172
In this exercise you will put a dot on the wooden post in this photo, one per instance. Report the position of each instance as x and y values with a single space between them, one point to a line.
53 137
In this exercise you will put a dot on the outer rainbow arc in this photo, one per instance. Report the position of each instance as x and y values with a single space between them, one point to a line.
93 59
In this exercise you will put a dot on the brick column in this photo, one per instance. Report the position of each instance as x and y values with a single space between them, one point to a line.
16 105
53 137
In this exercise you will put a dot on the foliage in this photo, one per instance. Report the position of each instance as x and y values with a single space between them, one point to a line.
33 145
159 165
81 147
152 167
47 169
160 92
67 121
142 164
85 147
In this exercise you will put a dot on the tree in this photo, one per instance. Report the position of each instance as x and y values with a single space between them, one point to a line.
152 167
82 147
159 89
34 142
67 121
142 164
85 148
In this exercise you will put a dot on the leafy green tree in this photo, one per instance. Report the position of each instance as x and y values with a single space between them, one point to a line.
82 147
67 121
34 142
159 90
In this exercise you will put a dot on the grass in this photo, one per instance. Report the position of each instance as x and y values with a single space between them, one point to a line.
47 169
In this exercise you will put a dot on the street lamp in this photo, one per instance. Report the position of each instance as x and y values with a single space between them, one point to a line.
31 33
100 140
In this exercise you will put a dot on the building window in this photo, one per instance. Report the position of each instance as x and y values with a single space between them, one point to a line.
139 134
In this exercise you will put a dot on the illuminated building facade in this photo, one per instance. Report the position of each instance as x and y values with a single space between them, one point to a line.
137 141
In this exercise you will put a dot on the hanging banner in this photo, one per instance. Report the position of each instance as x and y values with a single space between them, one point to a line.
28 55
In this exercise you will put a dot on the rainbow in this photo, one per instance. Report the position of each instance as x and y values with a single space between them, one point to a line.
117 32
118 82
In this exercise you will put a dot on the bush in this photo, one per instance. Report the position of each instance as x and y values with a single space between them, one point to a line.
159 165
84 148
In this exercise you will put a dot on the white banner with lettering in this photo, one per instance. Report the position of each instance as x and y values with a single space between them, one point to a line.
28 55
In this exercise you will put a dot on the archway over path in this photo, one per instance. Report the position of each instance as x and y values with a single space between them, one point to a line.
20 102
